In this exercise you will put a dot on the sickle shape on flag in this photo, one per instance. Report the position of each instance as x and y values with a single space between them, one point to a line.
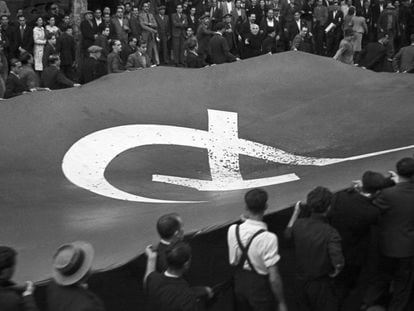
85 162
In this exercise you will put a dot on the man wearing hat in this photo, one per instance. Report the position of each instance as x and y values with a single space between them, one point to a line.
89 31
92 67
67 291
13 297
204 34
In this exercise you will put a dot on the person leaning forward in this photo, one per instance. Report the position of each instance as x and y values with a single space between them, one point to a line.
254 252
68 291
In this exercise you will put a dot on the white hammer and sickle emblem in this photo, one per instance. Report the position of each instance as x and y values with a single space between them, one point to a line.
85 162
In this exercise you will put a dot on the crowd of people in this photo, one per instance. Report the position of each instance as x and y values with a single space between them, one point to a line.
336 238
47 51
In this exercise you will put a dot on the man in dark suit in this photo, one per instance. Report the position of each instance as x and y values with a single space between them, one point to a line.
295 26
163 28
192 20
89 32
24 37
193 60
334 28
396 240
353 215
92 67
179 25
374 55
14 86
404 59
8 34
120 26
219 48
66 48
53 78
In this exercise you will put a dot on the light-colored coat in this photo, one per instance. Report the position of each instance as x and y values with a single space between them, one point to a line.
39 45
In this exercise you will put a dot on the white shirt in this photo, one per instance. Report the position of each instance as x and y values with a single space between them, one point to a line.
98 21
263 252
229 6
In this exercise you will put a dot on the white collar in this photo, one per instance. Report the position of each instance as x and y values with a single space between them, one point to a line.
256 223
164 241
166 273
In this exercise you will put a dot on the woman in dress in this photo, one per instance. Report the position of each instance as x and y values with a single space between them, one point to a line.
39 44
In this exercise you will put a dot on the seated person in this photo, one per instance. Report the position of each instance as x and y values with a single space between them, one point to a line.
53 78
139 59
193 60
14 85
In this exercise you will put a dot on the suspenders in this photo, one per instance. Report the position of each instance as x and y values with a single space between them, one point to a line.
245 249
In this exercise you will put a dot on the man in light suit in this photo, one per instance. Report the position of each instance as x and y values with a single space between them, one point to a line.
179 25
120 26
149 32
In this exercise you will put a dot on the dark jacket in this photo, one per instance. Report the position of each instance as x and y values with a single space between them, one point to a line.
72 298
11 298
14 86
54 79
67 49
194 61
219 50
397 220
26 42
92 69
88 34
373 56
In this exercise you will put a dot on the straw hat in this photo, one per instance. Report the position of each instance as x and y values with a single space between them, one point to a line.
72 262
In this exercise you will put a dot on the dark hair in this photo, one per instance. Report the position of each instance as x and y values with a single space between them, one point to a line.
14 61
130 39
24 58
319 199
178 255
7 257
256 200
113 42
53 59
405 168
168 225
372 182
142 42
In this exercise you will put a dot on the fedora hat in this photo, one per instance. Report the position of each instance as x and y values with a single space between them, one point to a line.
72 262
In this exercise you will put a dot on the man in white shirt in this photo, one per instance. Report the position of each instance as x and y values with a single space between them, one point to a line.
254 251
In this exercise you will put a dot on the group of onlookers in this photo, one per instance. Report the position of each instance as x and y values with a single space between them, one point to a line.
141 34
367 229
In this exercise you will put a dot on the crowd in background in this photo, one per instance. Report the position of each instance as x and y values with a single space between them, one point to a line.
336 237
44 51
